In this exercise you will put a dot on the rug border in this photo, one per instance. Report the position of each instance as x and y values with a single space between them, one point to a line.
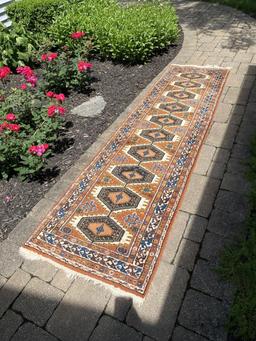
101 141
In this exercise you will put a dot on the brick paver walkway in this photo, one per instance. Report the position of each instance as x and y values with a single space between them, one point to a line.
186 301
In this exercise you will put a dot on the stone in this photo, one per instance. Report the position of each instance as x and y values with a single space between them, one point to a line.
38 301
221 155
205 315
30 332
206 279
195 228
156 315
186 255
12 289
174 236
62 281
200 195
212 246
39 268
222 113
237 95
9 323
227 224
109 329
246 132
236 166
182 334
118 307
235 183
231 202
10 260
90 108
2 281
216 170
80 309
147 338
221 135
241 151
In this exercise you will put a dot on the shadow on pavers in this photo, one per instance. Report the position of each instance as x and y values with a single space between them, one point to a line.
185 301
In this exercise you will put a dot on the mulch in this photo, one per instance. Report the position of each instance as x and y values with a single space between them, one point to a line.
119 85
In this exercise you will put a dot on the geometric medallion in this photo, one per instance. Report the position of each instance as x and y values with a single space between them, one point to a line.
118 198
180 94
133 174
146 153
100 229
156 135
172 107
192 75
187 84
167 120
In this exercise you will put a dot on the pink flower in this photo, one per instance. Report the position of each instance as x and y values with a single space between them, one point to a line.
83 66
26 71
49 56
32 80
44 57
14 127
10 117
55 109
38 150
77 35
23 86
50 94
4 71
59 97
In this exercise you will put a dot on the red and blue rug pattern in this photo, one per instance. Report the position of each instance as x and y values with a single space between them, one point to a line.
112 222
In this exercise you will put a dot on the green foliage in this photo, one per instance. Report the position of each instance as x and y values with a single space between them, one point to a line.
239 266
34 127
128 34
16 46
62 74
35 15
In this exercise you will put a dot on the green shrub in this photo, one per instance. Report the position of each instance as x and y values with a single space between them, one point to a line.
129 34
16 46
35 15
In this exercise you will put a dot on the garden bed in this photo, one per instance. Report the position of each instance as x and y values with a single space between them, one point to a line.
119 85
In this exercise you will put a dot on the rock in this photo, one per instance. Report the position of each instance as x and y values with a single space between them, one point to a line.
90 108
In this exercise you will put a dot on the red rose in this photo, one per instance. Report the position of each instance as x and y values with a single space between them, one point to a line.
50 94
4 71
14 127
25 71
52 56
23 86
59 97
44 57
10 117
83 66
54 109
77 35
38 150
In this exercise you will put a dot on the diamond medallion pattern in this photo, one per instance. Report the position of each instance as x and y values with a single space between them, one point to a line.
112 222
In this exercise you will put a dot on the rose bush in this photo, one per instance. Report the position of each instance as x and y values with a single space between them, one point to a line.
31 114
68 69
27 130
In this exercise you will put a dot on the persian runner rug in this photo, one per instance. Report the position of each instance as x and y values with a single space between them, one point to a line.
112 223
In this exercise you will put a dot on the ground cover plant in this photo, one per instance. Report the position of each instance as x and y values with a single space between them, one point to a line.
248 6
122 33
239 267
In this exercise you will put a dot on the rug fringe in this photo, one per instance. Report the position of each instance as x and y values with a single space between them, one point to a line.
116 292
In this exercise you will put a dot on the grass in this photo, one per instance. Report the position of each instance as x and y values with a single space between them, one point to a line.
248 6
239 267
